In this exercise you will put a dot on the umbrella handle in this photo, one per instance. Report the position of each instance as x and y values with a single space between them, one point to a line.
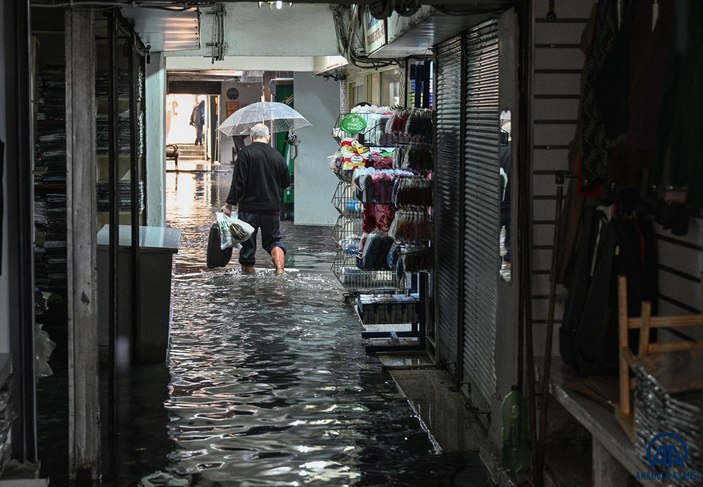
293 141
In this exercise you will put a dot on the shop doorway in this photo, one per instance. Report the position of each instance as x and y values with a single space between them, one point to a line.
191 120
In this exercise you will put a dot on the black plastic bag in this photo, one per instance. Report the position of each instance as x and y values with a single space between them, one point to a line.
216 257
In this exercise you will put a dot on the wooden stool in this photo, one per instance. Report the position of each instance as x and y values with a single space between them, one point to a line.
650 354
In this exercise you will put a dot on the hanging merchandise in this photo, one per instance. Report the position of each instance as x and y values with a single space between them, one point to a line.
374 253
376 186
412 191
353 153
623 245
381 158
374 144
371 170
377 217
411 226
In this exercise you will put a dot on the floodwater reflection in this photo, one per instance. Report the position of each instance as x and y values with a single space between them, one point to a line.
270 384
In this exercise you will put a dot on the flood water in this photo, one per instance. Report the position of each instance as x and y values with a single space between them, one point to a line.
270 383
267 382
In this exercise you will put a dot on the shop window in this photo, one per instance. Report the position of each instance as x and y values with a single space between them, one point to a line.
390 88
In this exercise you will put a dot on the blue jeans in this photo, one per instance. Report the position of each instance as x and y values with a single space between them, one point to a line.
270 226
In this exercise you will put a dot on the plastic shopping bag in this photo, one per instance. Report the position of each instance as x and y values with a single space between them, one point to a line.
233 231
239 229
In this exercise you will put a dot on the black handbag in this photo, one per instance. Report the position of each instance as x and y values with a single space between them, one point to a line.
216 257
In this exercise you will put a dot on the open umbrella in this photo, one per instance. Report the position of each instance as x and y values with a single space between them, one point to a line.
278 116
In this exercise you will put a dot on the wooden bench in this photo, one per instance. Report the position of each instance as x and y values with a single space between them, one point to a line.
614 456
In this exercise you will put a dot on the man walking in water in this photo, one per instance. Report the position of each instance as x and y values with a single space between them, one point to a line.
260 175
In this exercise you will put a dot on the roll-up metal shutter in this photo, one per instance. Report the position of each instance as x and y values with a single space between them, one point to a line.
481 209
447 210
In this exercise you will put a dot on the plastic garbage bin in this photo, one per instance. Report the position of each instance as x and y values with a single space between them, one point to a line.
142 333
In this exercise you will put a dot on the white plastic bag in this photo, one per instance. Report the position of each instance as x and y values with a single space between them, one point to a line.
233 231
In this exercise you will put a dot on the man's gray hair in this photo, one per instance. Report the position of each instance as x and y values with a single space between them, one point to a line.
259 131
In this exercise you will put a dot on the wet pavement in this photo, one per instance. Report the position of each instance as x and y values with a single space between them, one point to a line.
267 381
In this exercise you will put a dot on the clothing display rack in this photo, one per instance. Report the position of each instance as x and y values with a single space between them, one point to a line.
384 229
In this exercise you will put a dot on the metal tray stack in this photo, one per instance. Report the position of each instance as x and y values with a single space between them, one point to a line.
679 412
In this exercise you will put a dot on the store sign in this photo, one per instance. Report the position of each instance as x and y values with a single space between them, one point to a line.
375 33
353 123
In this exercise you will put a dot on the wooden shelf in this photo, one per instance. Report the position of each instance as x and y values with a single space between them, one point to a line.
600 421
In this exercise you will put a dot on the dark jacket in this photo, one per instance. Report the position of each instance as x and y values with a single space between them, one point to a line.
260 175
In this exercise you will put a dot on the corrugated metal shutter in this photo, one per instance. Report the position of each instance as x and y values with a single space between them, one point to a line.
481 208
447 210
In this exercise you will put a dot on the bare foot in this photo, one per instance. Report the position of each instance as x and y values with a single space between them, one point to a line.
278 257
248 269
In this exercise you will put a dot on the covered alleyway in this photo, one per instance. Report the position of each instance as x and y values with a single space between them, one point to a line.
269 381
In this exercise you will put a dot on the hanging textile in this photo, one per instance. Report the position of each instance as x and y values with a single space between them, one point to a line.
593 136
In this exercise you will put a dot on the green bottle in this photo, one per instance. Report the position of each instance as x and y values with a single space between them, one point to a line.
516 446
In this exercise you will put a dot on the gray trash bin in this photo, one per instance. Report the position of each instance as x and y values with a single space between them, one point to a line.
147 342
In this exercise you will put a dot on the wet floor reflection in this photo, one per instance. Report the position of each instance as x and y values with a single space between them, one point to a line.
270 384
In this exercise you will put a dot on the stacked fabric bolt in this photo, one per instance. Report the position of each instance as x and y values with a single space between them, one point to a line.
50 231
125 195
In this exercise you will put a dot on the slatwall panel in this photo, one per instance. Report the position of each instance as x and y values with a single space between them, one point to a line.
557 67
481 208
680 263
557 73
447 179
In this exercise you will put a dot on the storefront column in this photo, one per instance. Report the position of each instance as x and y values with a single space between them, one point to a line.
156 140
84 405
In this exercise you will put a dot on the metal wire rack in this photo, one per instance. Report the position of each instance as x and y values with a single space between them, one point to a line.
346 227
356 280
344 200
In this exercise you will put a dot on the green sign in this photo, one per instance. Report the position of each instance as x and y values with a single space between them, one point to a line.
353 123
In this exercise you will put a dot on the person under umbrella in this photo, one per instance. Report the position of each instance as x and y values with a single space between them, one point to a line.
258 181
